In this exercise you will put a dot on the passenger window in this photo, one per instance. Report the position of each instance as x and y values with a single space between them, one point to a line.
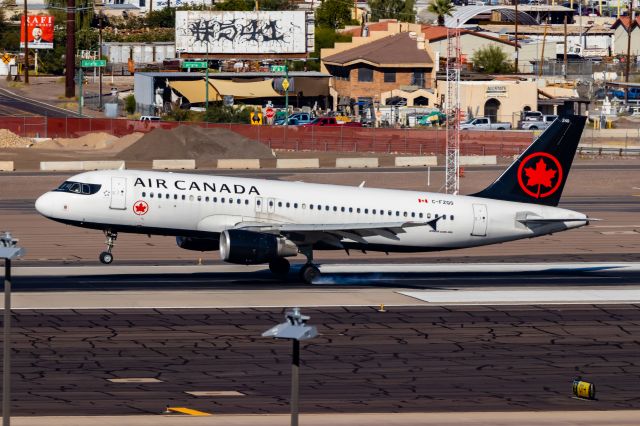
175 196
167 196
206 199
366 211
270 203
390 213
184 197
222 200
335 209
373 211
397 213
279 203
215 199
144 194
420 215
191 197
246 202
304 206
350 209
310 206
358 210
199 198
444 217
342 209
295 205
451 217
257 202
239 201
288 205
405 214
326 208
151 195
428 215
413 214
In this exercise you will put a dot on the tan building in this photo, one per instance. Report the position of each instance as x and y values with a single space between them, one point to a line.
501 100
620 36
388 69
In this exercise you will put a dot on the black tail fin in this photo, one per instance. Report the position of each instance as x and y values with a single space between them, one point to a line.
539 174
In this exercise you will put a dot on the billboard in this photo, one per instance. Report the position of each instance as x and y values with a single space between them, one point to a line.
235 33
39 31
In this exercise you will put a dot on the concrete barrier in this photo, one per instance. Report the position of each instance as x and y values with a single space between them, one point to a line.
6 166
358 162
173 164
297 163
416 161
103 165
477 160
232 163
59 166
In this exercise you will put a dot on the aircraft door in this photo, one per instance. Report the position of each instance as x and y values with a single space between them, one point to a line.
480 219
271 205
118 193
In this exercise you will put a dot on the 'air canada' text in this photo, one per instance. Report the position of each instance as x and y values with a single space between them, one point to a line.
183 185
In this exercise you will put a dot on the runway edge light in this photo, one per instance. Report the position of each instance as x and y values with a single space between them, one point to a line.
584 390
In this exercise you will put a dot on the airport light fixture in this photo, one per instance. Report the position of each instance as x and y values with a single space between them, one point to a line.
295 328
8 250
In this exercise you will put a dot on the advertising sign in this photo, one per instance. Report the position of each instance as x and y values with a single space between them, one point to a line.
232 32
39 31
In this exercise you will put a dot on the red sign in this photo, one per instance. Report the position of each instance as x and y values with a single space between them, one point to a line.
39 31
270 113
542 171
140 208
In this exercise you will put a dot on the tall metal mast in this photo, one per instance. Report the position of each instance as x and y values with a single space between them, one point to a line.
452 110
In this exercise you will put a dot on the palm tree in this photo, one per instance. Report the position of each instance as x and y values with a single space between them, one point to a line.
441 8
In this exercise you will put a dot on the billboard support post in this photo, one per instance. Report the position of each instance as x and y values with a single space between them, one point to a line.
206 74
286 93
80 91
70 59
26 45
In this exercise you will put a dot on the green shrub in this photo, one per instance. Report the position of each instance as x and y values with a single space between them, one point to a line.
130 104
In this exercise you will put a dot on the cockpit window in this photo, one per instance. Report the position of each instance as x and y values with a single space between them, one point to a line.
78 188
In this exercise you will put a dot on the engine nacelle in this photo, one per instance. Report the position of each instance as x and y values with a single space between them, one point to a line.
252 248
197 244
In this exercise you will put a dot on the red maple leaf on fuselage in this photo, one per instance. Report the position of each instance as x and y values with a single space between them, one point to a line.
141 208
540 176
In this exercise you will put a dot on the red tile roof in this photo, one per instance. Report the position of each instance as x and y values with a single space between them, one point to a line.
624 20
399 50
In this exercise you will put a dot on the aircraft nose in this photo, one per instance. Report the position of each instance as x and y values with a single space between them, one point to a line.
44 204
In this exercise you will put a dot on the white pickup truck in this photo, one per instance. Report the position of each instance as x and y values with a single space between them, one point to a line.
483 123
541 124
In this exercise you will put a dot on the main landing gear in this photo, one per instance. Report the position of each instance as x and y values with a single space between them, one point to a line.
106 257
309 271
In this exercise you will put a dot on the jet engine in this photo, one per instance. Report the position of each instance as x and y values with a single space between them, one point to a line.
197 244
252 248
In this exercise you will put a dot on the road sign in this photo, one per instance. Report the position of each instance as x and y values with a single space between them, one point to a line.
195 65
278 68
270 113
256 118
93 63
6 58
285 84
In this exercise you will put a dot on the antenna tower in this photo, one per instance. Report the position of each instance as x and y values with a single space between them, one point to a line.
452 110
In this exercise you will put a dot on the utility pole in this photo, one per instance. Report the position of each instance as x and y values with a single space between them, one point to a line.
516 35
101 24
452 111
565 47
26 44
629 29
70 59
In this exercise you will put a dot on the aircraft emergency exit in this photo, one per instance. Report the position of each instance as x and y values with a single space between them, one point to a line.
256 221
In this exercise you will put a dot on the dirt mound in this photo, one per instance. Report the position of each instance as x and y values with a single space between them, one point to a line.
91 141
192 142
9 139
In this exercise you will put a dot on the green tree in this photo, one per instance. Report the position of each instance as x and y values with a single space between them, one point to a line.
491 59
333 14
402 10
163 18
441 8
324 38
130 104
235 5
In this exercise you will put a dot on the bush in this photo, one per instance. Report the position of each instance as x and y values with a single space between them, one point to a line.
130 104
218 113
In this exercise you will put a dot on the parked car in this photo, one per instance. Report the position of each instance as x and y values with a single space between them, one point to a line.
331 121
149 118
484 123
298 118
539 124
610 93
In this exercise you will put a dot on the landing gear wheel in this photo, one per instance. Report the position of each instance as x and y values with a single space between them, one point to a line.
309 273
106 257
280 267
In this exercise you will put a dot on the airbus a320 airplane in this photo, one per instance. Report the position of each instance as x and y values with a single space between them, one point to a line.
256 221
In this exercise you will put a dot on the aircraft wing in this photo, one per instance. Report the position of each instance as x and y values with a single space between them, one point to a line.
331 233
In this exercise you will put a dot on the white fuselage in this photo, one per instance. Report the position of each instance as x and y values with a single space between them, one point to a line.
200 205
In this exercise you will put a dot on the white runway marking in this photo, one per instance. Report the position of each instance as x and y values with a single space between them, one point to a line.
546 296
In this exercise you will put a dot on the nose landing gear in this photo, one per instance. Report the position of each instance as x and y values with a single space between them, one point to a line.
106 257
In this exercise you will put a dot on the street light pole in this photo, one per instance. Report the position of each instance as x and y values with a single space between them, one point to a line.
206 74
295 382
70 59
8 250
26 44
101 20
286 92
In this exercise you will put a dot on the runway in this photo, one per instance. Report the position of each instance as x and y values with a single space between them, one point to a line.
404 360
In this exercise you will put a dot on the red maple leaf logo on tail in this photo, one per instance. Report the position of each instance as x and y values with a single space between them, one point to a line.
540 176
